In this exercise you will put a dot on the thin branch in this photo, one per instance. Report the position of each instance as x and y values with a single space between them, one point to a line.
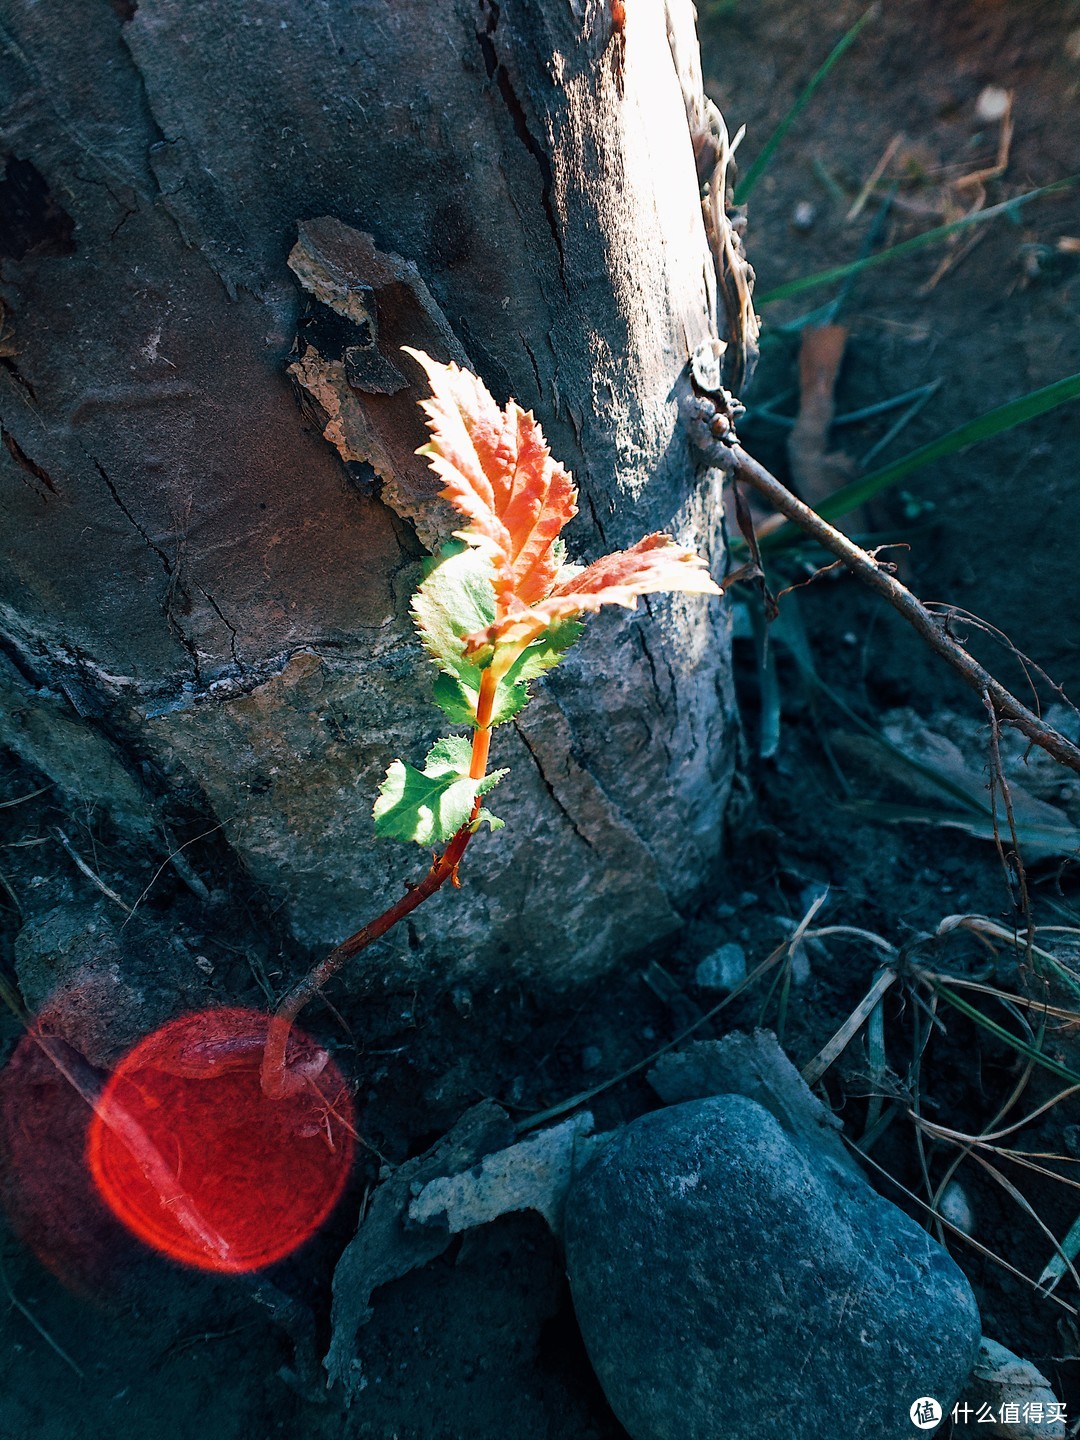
84 868
723 451
275 1076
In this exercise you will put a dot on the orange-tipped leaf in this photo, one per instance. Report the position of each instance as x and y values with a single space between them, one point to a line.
498 472
654 564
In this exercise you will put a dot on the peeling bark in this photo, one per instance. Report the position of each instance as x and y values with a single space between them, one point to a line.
212 515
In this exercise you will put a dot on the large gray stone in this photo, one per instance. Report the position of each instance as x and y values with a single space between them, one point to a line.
729 1285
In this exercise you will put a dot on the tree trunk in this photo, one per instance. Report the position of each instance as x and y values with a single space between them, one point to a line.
212 511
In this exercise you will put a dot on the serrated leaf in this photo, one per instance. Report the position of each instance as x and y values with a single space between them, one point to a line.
455 595
654 564
452 755
430 806
457 698
545 652
458 701
485 817
498 472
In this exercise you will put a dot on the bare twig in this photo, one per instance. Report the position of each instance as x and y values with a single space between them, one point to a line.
714 434
84 868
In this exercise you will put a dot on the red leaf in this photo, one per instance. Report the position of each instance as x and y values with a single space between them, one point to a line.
653 564
499 473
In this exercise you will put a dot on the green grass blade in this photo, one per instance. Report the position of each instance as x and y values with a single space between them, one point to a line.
754 174
994 422
1059 1262
1022 1046
905 247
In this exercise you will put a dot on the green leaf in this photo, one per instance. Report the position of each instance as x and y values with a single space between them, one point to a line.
458 700
455 599
994 422
905 247
486 817
431 805
544 653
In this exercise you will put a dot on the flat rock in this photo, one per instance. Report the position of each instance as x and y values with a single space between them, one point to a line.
728 1283
722 969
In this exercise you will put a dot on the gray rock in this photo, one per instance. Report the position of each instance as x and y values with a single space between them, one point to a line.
728 1284
534 1174
754 1066
77 972
723 969
384 1249
1009 1397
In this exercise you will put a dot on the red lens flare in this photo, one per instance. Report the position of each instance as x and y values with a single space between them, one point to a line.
196 1161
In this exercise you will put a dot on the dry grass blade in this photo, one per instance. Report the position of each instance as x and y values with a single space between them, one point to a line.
1054 1012
905 247
813 1072
1023 1047
753 175
990 1135
563 1107
6 884
1001 160
1055 1268
29 1315
962 1234
873 178
1025 1205
782 952
22 799
989 930
84 868
171 859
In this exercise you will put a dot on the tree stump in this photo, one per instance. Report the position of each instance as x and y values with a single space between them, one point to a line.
218 227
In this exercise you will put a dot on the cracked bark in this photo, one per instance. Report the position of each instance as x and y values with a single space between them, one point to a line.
217 588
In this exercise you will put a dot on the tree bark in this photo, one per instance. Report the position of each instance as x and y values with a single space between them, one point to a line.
212 512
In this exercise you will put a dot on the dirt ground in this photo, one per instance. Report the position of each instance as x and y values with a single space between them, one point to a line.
482 1342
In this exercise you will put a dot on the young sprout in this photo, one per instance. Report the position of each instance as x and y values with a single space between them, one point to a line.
497 607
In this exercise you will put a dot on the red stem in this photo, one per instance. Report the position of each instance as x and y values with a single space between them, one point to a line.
277 1080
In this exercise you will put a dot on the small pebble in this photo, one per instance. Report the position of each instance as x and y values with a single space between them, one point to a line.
803 216
592 1057
992 104
956 1208
723 970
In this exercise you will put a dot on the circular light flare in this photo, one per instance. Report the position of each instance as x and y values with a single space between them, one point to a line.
258 1174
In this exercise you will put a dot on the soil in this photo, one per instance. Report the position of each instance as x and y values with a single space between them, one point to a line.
482 1341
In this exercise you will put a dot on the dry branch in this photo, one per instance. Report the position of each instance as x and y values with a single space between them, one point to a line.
712 431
